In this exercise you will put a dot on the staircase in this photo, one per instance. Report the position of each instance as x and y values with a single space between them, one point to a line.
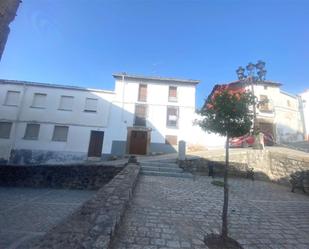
163 168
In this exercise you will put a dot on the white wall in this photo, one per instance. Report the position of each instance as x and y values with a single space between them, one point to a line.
157 101
285 115
80 122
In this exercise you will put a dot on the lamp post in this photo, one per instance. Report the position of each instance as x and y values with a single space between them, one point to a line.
255 73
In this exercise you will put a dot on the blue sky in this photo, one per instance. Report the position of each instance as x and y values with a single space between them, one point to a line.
82 42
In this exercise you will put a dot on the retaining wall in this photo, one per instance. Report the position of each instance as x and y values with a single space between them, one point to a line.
94 224
58 176
267 165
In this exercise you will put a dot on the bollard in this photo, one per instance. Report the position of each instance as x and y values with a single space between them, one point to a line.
181 150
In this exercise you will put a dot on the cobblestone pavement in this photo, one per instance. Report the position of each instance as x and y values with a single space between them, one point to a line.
171 212
27 213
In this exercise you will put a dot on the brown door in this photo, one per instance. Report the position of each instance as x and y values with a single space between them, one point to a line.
95 144
138 142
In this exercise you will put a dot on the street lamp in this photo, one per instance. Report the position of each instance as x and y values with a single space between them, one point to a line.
255 72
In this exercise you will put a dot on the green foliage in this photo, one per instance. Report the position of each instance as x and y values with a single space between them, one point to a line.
226 111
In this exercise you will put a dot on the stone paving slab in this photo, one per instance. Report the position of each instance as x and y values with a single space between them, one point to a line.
27 213
171 212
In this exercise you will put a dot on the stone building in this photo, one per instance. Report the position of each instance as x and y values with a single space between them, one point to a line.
8 9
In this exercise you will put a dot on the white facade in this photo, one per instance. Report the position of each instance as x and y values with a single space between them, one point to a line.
278 112
51 123
47 112
305 110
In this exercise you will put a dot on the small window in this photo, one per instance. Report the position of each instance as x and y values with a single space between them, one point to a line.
288 103
172 116
265 87
39 100
12 98
91 105
142 93
264 103
32 132
66 103
140 115
172 94
5 129
171 140
60 133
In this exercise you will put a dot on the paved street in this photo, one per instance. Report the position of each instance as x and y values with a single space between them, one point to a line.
27 213
171 212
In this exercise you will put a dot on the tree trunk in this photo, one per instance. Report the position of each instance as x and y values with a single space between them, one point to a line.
226 191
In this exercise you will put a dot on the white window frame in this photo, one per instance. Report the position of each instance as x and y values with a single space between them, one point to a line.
39 106
7 98
27 137
66 108
87 109
9 130
60 139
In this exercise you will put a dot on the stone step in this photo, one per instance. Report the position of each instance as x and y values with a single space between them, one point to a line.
160 164
161 168
170 174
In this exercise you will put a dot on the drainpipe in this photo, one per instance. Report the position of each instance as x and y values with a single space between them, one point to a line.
17 121
302 116
123 91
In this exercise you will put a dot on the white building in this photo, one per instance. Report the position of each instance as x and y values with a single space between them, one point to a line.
42 123
305 110
278 112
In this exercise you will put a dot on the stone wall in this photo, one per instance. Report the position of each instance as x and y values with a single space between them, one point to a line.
268 165
58 176
8 9
95 223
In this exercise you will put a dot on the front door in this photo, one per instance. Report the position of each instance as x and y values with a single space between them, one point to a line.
95 144
138 142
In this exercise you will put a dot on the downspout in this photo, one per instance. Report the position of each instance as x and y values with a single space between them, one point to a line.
302 116
17 121
123 90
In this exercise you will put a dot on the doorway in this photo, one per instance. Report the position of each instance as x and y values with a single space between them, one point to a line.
138 142
95 144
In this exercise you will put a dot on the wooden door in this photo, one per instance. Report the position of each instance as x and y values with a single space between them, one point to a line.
95 144
138 142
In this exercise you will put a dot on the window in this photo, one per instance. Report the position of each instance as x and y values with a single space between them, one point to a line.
142 93
140 115
172 116
39 100
264 103
60 133
171 140
265 87
288 103
32 132
66 103
5 129
12 98
91 105
172 94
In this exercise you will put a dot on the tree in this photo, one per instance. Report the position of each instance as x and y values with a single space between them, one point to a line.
227 112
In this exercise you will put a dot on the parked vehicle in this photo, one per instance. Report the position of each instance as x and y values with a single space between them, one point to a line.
248 140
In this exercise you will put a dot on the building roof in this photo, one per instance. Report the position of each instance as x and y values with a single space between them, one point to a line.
156 78
265 82
288 94
50 85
